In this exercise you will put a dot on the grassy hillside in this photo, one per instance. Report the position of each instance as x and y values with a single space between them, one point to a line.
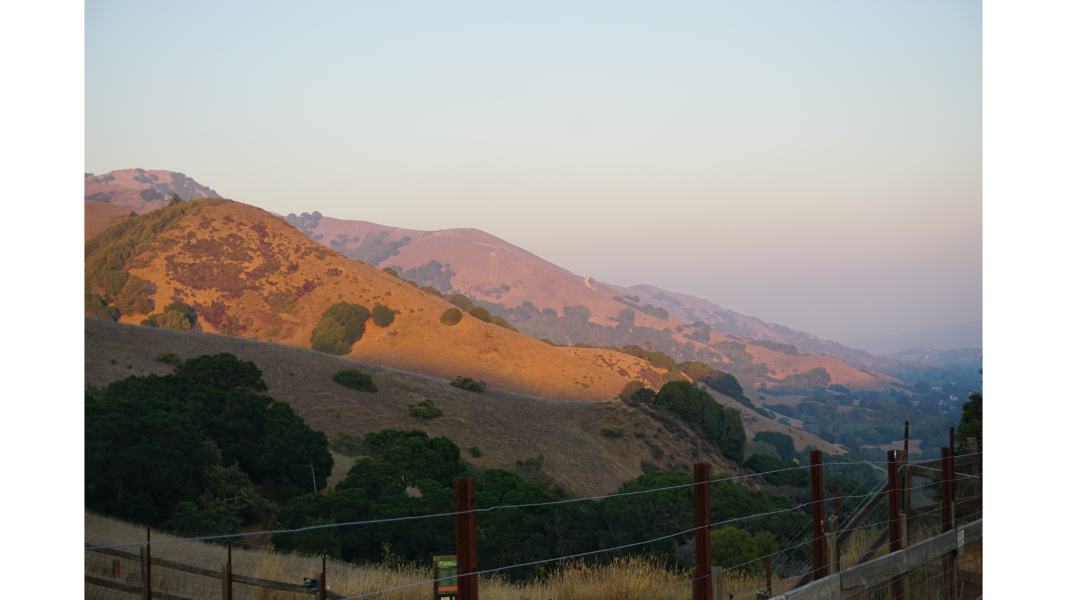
101 215
505 426
142 191
248 273
544 300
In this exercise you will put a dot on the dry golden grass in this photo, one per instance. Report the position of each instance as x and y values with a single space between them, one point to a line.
505 426
416 341
620 578
101 215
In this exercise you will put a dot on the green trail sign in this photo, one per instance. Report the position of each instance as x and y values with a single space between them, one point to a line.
444 573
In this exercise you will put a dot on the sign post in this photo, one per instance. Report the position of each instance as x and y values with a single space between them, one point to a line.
445 584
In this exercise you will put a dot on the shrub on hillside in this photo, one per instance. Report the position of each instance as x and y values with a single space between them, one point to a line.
475 452
612 432
97 307
170 358
461 301
383 315
503 323
341 325
452 316
629 389
424 411
466 383
481 314
356 380
134 297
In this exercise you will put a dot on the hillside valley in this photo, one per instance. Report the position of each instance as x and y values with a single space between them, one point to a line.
505 426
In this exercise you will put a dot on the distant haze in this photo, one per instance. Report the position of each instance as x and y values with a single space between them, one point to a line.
963 335
814 164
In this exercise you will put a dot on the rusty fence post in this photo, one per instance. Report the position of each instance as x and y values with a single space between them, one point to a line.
466 539
818 540
702 512
321 594
226 573
146 566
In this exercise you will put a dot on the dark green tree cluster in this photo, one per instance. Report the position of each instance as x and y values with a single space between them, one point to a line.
781 442
789 473
451 316
341 325
199 451
384 484
383 315
970 424
177 315
722 427
356 380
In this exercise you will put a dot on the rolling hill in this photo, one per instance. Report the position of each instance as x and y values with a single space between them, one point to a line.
547 301
505 426
248 273
140 190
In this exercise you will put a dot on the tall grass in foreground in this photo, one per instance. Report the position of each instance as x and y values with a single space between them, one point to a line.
576 580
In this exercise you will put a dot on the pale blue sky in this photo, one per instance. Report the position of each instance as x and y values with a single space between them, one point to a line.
815 164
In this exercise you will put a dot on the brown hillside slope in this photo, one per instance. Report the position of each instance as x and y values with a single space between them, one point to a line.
690 308
249 273
485 266
140 190
101 215
505 426
488 268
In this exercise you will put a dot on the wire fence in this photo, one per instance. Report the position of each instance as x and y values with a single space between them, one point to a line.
190 568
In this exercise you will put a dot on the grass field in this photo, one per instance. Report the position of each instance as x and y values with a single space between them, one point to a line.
505 426
620 578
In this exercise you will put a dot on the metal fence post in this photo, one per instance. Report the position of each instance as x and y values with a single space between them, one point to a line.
896 583
146 565
818 541
466 539
321 594
702 512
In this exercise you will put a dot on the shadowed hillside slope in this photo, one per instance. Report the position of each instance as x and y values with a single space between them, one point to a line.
506 427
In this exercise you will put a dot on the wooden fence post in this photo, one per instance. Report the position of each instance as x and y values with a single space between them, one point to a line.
818 541
226 575
982 506
896 583
832 558
702 584
466 540
947 521
717 591
146 566
906 485
321 594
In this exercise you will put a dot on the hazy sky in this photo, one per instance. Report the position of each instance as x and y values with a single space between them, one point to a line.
814 164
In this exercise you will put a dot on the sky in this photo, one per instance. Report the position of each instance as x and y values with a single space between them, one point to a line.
813 164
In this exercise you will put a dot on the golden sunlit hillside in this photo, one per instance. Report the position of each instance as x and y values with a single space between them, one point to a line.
248 273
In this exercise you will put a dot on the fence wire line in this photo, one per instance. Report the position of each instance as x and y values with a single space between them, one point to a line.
579 555
450 514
